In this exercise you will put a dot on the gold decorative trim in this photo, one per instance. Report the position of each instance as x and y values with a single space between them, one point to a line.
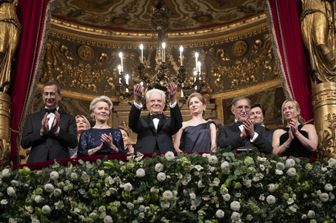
249 90
78 95
113 39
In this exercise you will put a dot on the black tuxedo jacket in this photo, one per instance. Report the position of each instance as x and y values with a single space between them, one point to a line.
49 146
150 140
229 136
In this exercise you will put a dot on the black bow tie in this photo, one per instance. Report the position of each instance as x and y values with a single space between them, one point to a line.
159 116
53 110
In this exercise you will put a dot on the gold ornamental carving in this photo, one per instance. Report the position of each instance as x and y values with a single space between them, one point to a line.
257 65
239 48
4 127
324 105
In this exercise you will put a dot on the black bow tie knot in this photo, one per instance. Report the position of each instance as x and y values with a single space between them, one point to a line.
52 110
159 116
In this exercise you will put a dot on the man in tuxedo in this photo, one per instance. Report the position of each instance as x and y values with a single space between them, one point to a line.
257 114
49 132
155 130
242 134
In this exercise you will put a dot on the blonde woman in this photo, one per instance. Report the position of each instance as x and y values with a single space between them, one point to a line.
127 141
82 124
296 139
101 139
197 134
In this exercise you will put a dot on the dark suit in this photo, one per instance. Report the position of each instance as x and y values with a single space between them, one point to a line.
229 136
150 140
49 146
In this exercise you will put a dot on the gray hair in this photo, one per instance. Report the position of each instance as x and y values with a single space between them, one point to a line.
101 98
155 91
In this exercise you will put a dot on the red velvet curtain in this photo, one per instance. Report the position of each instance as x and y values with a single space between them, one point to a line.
32 16
285 15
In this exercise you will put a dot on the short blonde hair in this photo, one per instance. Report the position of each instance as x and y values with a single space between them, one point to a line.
155 91
297 107
84 118
101 98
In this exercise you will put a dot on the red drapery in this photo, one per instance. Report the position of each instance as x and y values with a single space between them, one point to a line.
285 15
32 15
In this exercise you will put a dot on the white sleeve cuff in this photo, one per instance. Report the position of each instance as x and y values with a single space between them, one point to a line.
255 136
173 105
138 106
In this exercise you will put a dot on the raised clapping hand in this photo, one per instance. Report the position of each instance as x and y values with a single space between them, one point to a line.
172 92
44 124
138 92
55 124
108 140
249 127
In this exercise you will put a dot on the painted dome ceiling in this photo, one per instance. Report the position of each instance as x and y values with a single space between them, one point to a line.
136 15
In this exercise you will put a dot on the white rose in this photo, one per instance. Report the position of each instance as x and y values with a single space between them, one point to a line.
328 187
220 213
101 173
235 216
324 197
154 190
165 205
5 172
272 187
293 208
3 202
249 217
192 195
278 172
212 159
49 187
108 219
291 172
54 175
141 215
74 176
226 197
11 191
142 208
161 176
38 198
270 199
130 205
280 166
46 209
140 172
198 167
225 165
262 167
57 192
170 156
290 163
128 187
332 162
167 195
247 183
311 214
235 206
158 167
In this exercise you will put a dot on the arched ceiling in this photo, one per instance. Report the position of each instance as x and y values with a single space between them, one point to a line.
135 15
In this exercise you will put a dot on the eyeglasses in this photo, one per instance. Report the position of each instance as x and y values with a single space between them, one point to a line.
243 107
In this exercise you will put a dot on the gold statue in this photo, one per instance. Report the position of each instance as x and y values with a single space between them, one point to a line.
318 30
9 38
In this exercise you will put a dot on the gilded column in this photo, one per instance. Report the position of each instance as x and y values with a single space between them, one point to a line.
9 37
318 31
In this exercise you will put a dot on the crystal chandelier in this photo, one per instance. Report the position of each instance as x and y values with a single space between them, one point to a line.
187 81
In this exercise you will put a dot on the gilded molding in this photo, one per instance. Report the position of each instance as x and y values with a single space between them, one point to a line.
249 90
112 39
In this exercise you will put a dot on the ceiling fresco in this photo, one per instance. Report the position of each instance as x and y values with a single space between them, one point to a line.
135 15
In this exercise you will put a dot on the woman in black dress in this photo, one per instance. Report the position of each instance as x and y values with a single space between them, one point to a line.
101 139
296 139
197 134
